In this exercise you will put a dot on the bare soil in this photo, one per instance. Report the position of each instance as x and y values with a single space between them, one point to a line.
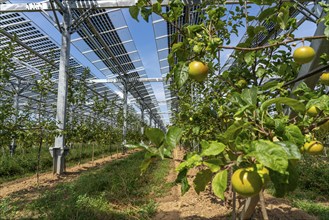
192 206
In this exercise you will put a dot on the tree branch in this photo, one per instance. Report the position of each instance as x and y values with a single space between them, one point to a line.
273 45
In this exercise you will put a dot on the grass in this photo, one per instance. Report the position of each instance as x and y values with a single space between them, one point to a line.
317 209
23 164
312 194
116 191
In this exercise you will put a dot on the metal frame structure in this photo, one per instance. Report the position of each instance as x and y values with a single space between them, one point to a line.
104 44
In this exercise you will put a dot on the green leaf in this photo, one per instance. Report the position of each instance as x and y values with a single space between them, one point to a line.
156 7
213 164
321 103
181 175
134 11
155 135
279 181
145 12
249 58
176 46
132 146
204 144
173 137
189 162
201 180
219 184
293 178
250 95
243 109
196 130
151 150
270 155
292 103
286 182
145 164
269 85
214 149
293 134
231 131
266 13
291 149
180 74
326 31
194 28
185 186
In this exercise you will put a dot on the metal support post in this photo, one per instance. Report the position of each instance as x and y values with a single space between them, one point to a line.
150 120
125 106
59 151
142 120
13 145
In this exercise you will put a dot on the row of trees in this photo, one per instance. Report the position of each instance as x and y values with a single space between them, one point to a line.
92 118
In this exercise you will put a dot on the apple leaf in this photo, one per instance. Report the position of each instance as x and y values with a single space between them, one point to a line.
219 184
134 11
213 164
321 103
293 103
231 131
204 144
286 182
181 175
155 135
249 58
283 17
266 13
242 109
201 180
173 137
250 95
293 134
156 7
180 74
214 149
189 162
291 149
145 12
270 154
145 164
185 186
176 46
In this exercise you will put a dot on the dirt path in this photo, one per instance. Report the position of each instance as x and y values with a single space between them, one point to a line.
47 180
192 206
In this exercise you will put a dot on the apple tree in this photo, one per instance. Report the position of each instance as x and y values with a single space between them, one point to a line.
251 116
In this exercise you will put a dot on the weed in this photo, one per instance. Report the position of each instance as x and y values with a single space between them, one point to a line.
7 210
117 191
317 209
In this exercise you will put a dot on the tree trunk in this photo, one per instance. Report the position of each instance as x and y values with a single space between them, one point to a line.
93 153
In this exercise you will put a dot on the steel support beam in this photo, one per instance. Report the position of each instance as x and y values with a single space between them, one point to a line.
96 4
59 151
127 80
142 120
13 145
125 108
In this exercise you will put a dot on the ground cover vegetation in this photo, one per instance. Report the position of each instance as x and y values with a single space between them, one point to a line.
114 191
